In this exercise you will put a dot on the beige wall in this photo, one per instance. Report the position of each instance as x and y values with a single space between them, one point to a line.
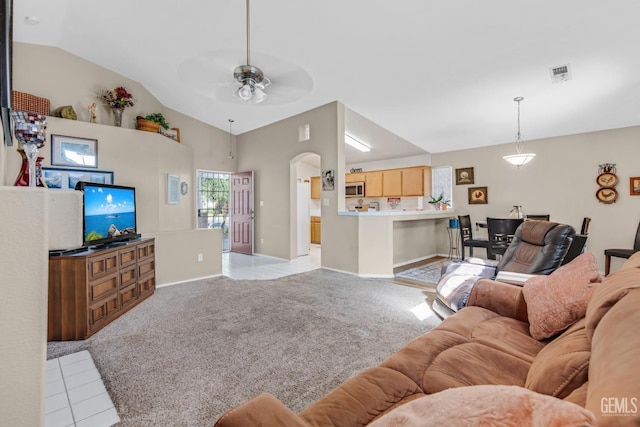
23 301
560 181
137 158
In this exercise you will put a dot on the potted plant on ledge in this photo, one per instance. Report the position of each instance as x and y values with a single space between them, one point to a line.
151 122
439 203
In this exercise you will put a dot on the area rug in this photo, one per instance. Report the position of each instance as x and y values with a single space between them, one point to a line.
428 273
192 351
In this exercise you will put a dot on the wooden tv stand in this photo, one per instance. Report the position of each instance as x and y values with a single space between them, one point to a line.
88 290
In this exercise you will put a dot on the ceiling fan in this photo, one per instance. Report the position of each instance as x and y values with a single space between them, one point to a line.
251 78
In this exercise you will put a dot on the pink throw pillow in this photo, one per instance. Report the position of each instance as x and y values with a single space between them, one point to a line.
557 301
487 405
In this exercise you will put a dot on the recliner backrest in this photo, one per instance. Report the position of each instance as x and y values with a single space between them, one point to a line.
538 247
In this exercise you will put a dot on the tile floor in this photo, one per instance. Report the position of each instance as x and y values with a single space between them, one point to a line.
76 395
256 267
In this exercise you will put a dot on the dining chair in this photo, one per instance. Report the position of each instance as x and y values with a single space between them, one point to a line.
466 237
501 232
579 243
621 253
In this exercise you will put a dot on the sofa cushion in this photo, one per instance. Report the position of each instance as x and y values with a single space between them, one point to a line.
486 405
563 365
556 301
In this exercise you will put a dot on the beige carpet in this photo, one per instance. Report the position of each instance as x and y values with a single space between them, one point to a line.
192 351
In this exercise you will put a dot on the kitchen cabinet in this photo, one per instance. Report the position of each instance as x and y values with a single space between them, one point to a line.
315 230
373 184
392 183
354 177
413 182
316 187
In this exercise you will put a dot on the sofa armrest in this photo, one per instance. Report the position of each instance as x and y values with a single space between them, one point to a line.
502 298
263 410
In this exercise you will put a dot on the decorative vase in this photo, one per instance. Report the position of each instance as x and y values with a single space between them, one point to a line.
24 176
29 129
117 117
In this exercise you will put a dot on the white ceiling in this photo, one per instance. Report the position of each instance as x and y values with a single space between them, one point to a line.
439 74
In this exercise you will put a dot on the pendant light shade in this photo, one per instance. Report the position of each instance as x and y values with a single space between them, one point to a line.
519 158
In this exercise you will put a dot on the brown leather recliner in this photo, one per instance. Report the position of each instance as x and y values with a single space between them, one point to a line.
538 247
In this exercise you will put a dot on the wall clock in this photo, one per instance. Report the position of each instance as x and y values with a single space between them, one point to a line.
607 179
606 195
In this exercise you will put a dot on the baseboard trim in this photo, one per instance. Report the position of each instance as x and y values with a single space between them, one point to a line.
193 279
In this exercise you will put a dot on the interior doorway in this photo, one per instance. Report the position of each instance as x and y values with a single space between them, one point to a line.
306 210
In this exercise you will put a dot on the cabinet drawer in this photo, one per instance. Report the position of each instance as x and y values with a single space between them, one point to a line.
128 277
99 313
146 251
98 289
146 285
127 256
102 264
146 267
128 295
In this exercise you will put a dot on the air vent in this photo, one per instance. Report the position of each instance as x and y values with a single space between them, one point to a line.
561 73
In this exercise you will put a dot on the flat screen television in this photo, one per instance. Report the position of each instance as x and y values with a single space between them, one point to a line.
109 214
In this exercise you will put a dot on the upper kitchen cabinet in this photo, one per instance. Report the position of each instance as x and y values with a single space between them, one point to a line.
315 187
373 184
392 183
354 177
413 182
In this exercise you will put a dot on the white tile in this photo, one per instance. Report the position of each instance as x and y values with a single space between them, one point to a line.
53 364
86 391
56 402
55 387
82 378
103 419
75 357
61 418
92 406
77 367
53 374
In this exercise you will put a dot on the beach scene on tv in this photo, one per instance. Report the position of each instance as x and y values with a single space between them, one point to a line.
109 213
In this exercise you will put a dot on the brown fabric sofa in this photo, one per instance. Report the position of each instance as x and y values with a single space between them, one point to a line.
594 363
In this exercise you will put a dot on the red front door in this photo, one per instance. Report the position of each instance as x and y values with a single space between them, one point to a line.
242 212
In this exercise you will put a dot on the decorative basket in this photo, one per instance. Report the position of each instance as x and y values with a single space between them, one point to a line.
147 125
21 101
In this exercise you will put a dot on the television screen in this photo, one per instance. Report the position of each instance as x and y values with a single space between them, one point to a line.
109 213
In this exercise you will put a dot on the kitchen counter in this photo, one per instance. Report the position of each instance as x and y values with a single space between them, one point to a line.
395 237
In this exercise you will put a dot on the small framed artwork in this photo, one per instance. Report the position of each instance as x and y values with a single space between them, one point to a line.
73 151
66 179
478 196
328 180
173 189
634 185
464 176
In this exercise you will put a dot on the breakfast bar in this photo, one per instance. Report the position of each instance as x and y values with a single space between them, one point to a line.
391 238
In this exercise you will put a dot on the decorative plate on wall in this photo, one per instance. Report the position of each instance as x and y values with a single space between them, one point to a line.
607 180
606 195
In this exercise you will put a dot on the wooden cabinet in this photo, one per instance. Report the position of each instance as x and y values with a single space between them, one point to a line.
315 230
412 182
316 187
373 184
90 289
354 177
392 183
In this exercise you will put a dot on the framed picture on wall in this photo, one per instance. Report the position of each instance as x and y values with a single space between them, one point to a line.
478 196
66 179
634 185
464 176
74 152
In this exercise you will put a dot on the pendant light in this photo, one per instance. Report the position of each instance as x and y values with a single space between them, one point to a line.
519 158
230 155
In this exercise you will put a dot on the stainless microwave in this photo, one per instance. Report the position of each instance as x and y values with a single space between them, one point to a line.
354 189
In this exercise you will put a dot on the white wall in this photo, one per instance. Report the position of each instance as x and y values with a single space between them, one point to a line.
560 181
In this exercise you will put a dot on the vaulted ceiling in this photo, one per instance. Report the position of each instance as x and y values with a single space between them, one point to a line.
439 74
